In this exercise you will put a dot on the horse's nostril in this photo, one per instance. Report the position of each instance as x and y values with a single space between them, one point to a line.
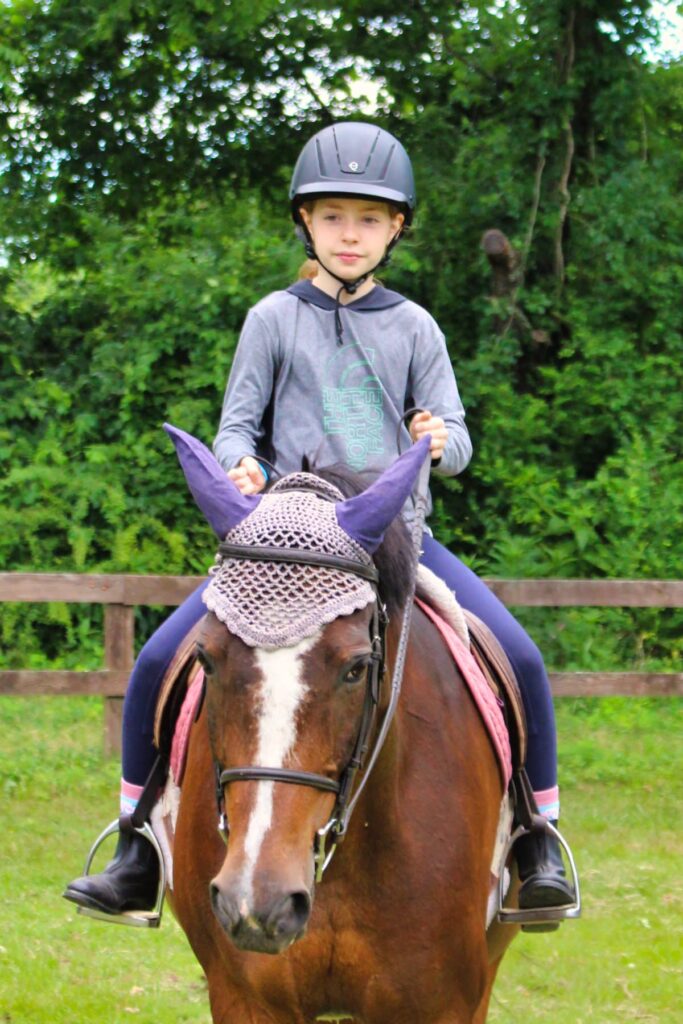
290 916
301 906
223 907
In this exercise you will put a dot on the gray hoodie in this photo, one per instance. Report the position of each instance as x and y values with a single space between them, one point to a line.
295 389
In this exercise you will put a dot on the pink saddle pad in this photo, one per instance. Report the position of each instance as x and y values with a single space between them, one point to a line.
181 735
482 694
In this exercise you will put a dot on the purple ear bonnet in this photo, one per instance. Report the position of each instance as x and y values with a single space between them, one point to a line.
276 604
366 516
222 503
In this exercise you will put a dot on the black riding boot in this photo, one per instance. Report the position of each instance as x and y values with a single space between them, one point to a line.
129 882
541 871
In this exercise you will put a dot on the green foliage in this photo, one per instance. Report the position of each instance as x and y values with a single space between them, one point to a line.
107 354
145 156
130 103
93 362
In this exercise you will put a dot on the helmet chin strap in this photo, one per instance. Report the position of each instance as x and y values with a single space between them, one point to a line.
346 286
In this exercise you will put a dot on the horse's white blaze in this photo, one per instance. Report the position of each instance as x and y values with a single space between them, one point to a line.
281 693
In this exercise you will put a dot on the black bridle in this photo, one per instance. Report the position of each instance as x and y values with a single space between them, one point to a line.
335 829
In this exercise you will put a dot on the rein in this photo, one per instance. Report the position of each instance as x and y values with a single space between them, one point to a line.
329 836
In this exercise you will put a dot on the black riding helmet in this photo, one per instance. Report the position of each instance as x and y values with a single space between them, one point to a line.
356 160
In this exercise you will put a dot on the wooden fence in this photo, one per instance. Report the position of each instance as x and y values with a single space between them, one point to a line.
121 594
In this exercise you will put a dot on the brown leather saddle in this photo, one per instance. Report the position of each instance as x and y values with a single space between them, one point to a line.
499 674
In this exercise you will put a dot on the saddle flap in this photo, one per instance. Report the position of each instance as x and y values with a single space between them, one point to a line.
178 678
485 698
496 667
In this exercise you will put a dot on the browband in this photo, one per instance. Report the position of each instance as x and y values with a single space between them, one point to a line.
297 556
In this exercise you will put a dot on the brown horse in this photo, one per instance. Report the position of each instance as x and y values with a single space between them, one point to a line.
395 933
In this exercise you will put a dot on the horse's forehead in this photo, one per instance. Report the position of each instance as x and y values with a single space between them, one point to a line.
279 665
333 640
213 633
227 646
344 633
307 659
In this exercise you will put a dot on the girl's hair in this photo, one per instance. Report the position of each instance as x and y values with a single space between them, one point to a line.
307 270
393 208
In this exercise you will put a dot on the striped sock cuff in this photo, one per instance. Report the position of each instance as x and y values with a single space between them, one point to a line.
130 794
548 801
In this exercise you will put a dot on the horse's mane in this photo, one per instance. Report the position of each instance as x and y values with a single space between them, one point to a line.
393 558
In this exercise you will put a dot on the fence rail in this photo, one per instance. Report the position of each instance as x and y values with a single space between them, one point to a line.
120 594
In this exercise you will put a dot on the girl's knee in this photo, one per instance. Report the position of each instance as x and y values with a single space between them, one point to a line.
154 658
156 655
531 657
527 661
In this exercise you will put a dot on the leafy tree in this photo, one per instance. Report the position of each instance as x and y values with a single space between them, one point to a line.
145 152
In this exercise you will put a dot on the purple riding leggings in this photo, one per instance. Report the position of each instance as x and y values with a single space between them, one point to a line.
472 593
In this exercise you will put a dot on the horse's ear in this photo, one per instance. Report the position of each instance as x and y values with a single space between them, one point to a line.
305 464
366 516
222 503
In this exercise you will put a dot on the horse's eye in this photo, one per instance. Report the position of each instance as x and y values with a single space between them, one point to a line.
204 660
355 673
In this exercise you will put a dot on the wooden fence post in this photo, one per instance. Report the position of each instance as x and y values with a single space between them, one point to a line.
119 632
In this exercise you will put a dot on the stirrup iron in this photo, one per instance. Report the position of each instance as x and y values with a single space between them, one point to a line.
134 918
537 917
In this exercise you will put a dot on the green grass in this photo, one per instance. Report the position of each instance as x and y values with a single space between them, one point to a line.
622 792
56 794
622 789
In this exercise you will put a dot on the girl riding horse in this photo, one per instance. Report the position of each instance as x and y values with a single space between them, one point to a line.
328 368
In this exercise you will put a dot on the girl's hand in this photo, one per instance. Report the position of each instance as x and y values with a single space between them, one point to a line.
424 423
248 476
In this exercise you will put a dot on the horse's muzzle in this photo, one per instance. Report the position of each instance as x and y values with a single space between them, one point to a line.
270 929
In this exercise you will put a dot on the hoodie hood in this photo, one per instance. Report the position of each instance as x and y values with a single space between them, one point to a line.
378 298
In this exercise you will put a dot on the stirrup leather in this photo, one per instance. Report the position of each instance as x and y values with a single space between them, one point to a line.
539 915
134 918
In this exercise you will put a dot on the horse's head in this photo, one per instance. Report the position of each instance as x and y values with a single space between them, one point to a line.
290 709
290 653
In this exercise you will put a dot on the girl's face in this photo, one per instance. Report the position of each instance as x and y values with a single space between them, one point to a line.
350 237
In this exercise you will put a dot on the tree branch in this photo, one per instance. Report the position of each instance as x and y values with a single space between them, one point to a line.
535 202
563 184
311 91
